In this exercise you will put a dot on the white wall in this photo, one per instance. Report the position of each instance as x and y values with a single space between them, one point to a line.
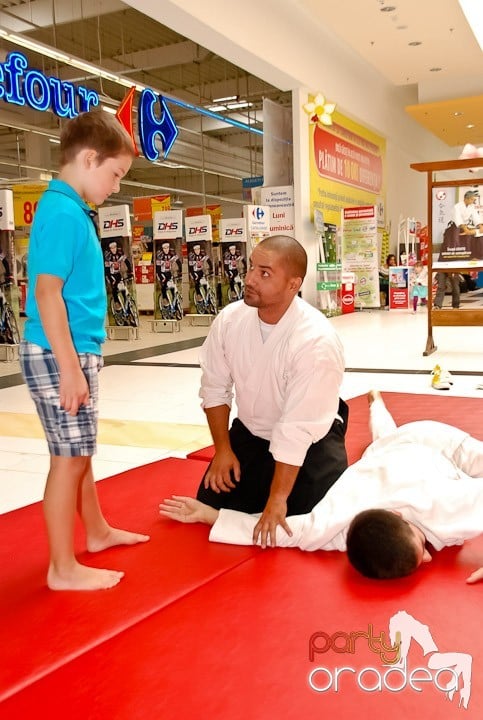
278 42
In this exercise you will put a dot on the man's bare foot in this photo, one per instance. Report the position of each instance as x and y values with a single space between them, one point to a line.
83 577
373 395
114 536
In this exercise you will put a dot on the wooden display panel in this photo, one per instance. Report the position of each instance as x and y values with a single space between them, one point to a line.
459 317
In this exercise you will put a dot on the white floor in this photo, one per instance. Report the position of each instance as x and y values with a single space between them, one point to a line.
153 402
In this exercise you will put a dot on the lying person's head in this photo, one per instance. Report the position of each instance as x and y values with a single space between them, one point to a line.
381 544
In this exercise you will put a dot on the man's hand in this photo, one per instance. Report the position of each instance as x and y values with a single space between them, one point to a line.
218 476
266 528
475 577
187 510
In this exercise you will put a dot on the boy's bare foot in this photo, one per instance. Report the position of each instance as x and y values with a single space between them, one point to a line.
373 395
114 536
83 577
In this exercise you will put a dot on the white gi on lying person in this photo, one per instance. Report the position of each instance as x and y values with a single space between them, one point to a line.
415 484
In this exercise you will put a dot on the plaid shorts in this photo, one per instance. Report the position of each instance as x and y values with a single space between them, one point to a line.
67 435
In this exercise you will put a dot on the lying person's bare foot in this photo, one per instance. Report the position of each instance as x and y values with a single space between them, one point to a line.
114 536
373 395
83 577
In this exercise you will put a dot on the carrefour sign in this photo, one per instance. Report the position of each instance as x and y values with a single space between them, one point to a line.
21 85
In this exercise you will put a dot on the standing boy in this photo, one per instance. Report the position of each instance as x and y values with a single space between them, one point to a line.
61 353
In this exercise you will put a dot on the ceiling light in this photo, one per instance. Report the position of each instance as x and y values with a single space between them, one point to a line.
238 105
470 126
473 10
46 51
402 27
26 42
108 109
216 108
435 69
388 8
55 141
414 43
457 114
225 99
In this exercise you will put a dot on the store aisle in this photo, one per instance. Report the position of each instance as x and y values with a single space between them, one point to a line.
149 405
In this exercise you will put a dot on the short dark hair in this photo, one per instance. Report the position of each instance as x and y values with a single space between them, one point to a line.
380 544
96 130
292 250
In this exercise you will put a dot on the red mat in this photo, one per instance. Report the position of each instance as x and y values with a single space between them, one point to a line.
197 629
43 630
466 413
238 648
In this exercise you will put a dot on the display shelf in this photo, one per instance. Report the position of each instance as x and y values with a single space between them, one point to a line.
195 319
8 353
457 317
122 332
165 326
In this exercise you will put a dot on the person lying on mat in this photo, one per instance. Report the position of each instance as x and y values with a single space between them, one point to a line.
415 484
286 447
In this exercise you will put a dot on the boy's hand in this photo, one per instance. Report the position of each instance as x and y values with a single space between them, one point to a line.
74 391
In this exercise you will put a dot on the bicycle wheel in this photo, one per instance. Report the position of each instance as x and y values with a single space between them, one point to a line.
211 304
199 304
132 313
118 314
178 310
12 334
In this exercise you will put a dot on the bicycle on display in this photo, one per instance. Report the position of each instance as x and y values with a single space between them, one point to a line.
124 310
9 332
205 298
171 306
238 290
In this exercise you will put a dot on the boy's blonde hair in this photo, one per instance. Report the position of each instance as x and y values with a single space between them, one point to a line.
96 130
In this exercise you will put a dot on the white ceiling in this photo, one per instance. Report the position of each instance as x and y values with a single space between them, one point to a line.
382 39
112 34
447 65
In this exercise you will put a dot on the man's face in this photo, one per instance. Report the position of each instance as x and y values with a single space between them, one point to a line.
232 249
165 247
470 200
267 284
197 249
113 247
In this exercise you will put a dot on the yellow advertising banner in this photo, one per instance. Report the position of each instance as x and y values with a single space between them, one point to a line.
145 207
25 201
347 167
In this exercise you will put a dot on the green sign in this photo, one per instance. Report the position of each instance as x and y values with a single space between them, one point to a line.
329 266
330 285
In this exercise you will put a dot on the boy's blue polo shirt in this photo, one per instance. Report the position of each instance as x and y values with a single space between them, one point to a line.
63 242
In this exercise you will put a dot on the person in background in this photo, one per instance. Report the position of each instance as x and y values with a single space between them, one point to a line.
384 279
419 288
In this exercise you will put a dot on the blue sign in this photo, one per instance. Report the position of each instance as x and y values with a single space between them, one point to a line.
22 86
152 127
251 182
